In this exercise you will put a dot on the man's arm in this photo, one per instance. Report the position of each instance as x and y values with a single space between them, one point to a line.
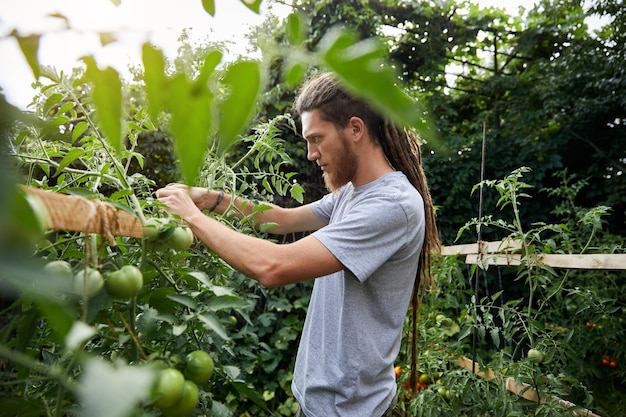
288 220
269 263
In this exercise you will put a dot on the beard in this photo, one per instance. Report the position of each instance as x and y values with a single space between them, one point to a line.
345 163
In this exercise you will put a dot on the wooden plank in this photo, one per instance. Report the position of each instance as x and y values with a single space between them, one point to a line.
493 259
522 389
78 214
507 245
586 261
613 261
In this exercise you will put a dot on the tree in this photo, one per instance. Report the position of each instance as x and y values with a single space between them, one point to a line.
542 85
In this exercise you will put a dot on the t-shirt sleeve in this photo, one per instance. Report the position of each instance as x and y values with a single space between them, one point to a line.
367 236
323 208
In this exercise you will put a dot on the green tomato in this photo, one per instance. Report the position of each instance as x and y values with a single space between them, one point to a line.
152 228
198 366
186 403
59 268
536 356
180 239
125 282
88 282
169 388
450 394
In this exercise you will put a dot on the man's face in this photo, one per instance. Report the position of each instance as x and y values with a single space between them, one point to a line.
330 148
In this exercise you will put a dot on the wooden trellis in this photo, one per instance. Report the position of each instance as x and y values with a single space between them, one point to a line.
507 253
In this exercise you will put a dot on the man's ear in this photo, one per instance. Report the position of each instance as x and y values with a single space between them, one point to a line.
357 127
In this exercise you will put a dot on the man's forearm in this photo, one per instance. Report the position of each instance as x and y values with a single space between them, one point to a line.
241 207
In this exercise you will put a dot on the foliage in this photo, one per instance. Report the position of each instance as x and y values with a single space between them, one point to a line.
544 86
495 318
540 87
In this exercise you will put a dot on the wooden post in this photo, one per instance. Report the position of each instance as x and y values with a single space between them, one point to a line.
78 214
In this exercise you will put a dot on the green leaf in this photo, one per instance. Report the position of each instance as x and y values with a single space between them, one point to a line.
219 290
66 107
69 157
495 336
211 322
30 48
243 80
83 192
297 192
78 130
51 101
157 88
296 29
209 6
200 277
225 302
190 106
107 98
121 193
362 69
211 61
249 393
184 300
294 70
266 227
254 5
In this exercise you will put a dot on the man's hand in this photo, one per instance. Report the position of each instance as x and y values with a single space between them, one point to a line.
182 200
198 195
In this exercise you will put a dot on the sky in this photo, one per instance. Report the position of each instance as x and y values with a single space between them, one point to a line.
132 22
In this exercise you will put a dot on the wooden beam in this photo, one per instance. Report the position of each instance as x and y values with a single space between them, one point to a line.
613 261
507 245
78 214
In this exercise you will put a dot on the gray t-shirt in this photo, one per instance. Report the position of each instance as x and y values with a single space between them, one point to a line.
353 327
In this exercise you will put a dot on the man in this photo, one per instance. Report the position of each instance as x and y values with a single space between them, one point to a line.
371 238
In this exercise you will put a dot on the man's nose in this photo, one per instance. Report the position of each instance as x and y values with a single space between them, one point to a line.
312 153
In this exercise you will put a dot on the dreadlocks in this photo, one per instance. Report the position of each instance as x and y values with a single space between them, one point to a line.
402 150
